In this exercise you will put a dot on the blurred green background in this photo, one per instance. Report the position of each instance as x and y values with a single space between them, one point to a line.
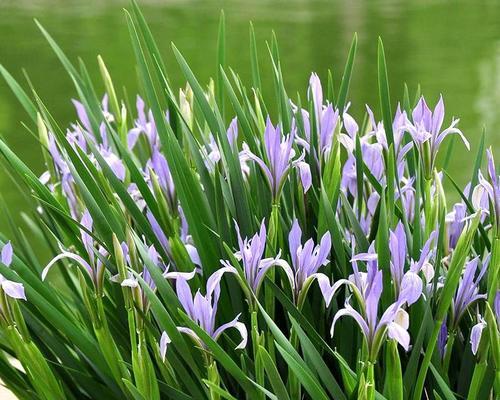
449 47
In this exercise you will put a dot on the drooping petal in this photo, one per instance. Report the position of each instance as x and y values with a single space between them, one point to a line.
13 289
180 275
236 325
213 281
401 335
351 312
75 257
268 263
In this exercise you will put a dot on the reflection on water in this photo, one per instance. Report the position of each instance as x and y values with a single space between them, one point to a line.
449 47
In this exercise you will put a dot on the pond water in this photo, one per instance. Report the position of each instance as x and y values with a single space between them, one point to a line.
449 47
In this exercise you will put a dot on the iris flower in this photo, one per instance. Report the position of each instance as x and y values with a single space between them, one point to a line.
308 258
368 290
468 289
255 267
93 266
427 134
202 309
280 159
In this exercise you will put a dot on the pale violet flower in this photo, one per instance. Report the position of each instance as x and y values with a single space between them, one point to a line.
202 309
255 267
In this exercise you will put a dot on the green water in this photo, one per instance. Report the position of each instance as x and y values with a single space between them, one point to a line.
449 47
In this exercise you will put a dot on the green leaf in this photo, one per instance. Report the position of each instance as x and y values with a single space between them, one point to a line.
305 377
445 390
346 76
273 374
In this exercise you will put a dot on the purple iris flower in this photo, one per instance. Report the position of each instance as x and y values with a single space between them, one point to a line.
398 249
368 289
131 280
371 153
165 244
398 129
327 119
65 176
94 267
307 258
145 124
255 267
468 289
280 154
202 309
159 165
426 131
12 289
78 138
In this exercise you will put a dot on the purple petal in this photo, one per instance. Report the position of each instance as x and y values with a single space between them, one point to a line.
213 281
185 296
438 116
13 289
193 254
232 132
7 253
401 335
237 325
316 92
305 175
75 257
82 115
294 241
158 231
351 312
411 288
350 125
442 338
475 335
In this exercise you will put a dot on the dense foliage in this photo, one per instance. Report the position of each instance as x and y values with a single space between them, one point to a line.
197 255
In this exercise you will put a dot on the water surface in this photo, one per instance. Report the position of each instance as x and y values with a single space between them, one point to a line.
449 47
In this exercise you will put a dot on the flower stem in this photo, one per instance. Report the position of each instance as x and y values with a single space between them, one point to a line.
449 350
419 386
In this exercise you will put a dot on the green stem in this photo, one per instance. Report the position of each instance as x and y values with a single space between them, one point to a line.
370 380
449 350
419 386
259 367
429 220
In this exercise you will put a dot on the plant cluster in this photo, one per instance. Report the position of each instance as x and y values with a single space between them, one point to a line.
213 243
